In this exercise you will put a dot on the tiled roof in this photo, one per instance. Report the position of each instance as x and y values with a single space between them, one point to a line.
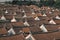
30 23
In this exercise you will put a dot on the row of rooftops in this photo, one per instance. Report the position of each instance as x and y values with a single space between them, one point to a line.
26 31
36 35
29 22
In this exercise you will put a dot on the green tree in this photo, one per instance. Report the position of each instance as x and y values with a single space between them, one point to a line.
57 4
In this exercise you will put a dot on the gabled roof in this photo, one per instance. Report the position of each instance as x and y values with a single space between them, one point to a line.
6 11
44 14
43 28
33 12
57 9
50 12
52 21
23 11
57 17
51 27
53 10
48 7
35 29
42 37
18 24
30 37
13 37
36 18
26 30
3 18
13 20
11 31
3 31
26 23
24 16
15 13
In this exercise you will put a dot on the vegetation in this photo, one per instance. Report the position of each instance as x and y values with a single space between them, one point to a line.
41 3
57 4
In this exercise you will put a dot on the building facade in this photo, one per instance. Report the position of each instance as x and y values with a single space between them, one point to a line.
5 0
22 0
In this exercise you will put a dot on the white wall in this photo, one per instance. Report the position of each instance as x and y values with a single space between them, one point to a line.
12 0
4 0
